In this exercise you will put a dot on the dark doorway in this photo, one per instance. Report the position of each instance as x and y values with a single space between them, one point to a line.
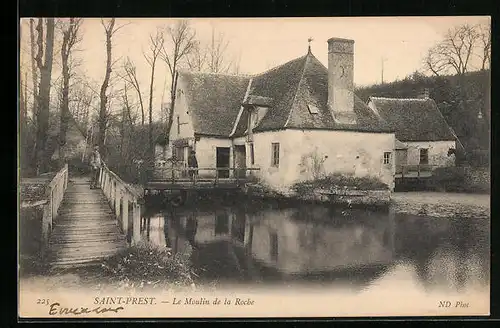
222 161
240 158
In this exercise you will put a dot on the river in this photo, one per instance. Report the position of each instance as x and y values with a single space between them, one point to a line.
247 243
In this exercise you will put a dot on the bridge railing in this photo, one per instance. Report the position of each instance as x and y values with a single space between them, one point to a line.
406 169
168 174
54 193
124 200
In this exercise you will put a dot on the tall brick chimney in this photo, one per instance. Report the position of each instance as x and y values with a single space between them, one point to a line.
341 80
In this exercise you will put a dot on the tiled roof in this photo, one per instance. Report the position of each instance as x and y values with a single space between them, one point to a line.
214 101
413 119
298 84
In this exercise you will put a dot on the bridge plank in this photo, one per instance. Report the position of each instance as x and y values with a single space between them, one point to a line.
86 229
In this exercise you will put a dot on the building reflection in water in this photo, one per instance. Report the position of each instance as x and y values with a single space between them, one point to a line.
314 241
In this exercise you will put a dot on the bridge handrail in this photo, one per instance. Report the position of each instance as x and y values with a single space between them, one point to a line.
120 195
125 185
187 169
54 193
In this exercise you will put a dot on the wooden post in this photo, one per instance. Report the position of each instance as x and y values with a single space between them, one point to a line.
136 223
101 175
117 197
66 176
104 182
108 185
52 204
112 194
173 173
46 226
125 213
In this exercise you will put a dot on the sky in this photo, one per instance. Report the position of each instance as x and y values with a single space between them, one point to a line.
258 44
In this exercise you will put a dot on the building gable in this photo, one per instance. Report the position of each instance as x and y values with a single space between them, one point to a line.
213 101
413 119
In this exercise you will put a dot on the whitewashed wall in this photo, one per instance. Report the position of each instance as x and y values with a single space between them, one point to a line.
355 153
206 153
438 152
181 109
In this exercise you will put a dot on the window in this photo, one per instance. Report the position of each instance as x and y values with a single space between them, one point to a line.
387 157
275 154
424 156
312 109
252 155
273 250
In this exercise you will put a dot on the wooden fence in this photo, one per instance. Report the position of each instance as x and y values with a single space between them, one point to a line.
54 193
124 200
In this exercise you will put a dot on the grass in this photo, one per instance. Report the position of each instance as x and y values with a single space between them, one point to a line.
141 267
337 180
148 265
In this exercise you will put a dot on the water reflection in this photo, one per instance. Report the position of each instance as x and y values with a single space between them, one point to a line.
316 243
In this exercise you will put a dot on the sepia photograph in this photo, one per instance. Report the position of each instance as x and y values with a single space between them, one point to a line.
254 167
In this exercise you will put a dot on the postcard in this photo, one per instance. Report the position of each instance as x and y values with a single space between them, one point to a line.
254 167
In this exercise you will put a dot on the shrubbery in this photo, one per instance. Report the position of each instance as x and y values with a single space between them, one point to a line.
455 179
147 265
338 180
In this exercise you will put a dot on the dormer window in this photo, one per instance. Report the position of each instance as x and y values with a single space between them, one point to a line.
312 109
257 114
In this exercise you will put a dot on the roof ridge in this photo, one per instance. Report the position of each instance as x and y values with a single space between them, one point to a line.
392 98
296 91
212 73
279 66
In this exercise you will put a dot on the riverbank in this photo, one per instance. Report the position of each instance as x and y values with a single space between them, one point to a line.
138 268
442 204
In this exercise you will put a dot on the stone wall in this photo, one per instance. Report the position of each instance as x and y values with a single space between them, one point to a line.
478 178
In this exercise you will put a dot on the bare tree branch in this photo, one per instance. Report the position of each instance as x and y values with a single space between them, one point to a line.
130 76
109 29
71 36
156 46
454 52
182 42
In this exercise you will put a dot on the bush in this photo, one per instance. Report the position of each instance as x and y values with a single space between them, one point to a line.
148 265
449 178
338 180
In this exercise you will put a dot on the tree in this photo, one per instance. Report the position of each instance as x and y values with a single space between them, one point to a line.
70 33
109 30
34 73
155 46
455 52
43 101
218 62
197 58
212 57
130 76
180 45
485 43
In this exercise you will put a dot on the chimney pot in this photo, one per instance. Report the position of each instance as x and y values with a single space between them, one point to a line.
341 80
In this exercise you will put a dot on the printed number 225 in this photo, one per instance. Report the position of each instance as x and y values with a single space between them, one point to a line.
43 301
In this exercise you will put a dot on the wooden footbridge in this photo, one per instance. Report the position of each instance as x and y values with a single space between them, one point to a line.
82 226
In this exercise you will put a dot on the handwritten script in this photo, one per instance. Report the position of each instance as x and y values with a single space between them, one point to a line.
57 309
